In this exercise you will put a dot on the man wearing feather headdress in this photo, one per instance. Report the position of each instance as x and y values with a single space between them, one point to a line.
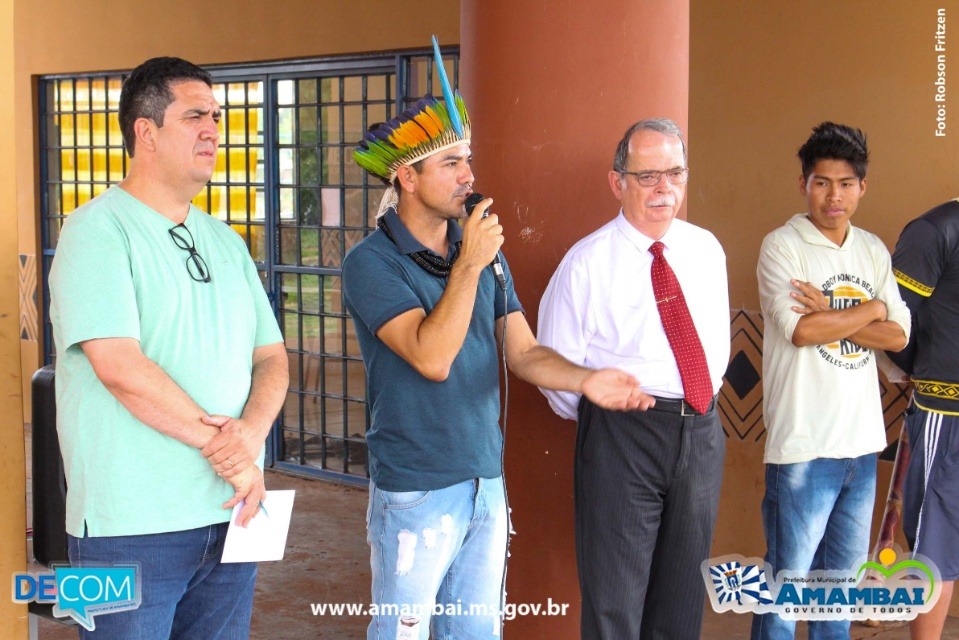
429 314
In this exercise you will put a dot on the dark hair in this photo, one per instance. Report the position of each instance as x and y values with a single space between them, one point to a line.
417 167
831 141
664 126
147 92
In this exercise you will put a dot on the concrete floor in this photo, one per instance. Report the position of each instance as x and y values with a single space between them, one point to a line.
327 561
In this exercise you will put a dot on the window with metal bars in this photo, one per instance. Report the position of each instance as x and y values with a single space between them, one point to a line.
286 182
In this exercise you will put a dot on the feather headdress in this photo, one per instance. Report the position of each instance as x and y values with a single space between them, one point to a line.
426 128
422 130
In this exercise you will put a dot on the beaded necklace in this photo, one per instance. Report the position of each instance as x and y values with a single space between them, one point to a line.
427 260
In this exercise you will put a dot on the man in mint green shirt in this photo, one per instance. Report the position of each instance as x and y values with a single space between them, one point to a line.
170 370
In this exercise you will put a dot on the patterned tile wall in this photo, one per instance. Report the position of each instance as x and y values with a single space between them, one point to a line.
29 327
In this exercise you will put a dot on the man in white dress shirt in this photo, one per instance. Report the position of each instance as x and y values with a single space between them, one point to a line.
647 482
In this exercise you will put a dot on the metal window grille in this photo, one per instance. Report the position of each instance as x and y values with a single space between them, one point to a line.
286 182
81 152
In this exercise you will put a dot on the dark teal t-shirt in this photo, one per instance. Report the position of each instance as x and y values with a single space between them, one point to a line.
425 435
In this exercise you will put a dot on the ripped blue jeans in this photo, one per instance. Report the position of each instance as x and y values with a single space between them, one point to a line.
437 559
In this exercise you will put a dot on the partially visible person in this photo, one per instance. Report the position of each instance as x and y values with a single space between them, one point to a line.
429 317
170 371
829 299
646 293
926 264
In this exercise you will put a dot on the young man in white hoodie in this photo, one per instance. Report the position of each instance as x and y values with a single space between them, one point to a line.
829 299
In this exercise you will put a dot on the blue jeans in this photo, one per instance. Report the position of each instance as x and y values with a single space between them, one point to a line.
816 515
186 592
431 549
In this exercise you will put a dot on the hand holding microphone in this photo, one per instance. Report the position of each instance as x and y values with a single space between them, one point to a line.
471 201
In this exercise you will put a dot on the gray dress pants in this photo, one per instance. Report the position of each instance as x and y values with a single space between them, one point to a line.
646 494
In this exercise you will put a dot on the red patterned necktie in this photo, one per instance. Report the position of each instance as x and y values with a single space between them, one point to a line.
681 333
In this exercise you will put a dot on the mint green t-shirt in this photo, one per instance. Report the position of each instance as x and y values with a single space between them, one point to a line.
117 273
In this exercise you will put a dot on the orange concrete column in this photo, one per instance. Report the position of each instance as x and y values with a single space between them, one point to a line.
13 548
551 87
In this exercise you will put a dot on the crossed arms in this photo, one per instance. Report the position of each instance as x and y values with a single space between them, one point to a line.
864 324
784 297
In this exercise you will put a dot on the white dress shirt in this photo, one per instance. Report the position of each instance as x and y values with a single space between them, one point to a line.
599 309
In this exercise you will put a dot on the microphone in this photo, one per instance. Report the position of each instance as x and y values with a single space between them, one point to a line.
472 200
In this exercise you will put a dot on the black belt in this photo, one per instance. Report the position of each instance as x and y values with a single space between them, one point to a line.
677 405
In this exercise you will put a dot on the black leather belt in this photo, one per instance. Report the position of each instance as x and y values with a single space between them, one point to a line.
676 405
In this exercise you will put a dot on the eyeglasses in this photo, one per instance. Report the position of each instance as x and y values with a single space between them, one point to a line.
195 265
652 178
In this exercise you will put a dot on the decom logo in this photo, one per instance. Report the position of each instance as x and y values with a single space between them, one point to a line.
845 290
884 590
81 593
